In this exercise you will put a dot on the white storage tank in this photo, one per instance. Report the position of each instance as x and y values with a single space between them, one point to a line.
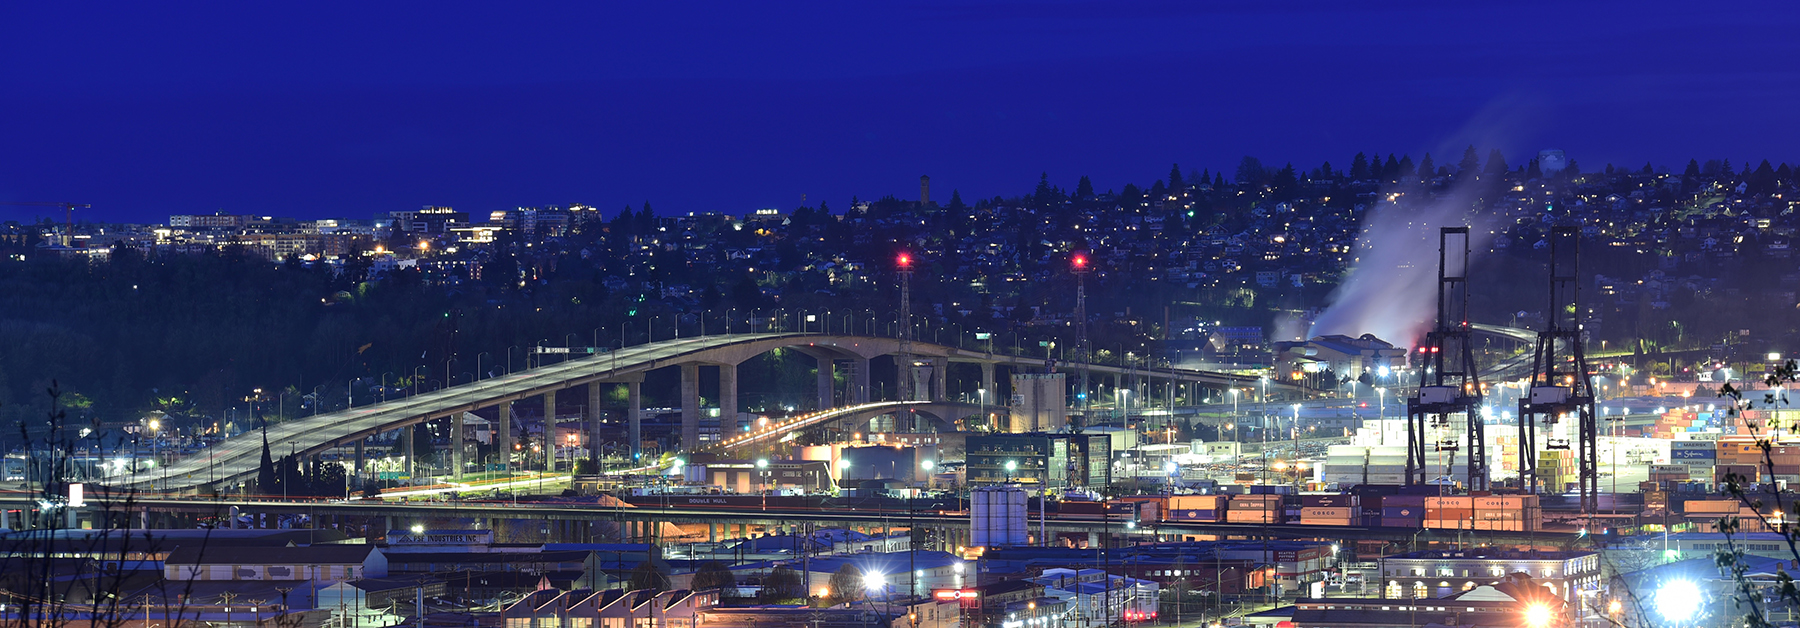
998 517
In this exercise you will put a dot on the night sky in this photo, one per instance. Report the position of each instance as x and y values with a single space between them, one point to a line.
369 107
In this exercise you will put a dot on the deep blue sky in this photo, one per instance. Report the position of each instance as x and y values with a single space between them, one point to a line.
347 110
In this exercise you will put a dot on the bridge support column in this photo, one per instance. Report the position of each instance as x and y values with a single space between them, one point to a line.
406 438
593 423
456 445
503 441
861 386
360 456
690 406
827 380
728 397
987 378
549 415
634 414
940 378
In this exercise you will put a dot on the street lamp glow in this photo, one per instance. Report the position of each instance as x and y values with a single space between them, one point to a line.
1012 465
1538 615
874 581
927 465
1677 600
762 463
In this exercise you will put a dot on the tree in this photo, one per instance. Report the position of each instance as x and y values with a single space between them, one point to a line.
1470 161
714 575
1391 169
648 575
1250 171
1692 171
1532 171
846 585
1084 188
1359 167
1175 182
265 474
781 585
1496 164
1407 168
1427 170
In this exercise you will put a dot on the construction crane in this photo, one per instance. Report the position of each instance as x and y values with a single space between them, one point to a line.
68 235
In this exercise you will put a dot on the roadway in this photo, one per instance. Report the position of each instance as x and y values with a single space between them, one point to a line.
239 458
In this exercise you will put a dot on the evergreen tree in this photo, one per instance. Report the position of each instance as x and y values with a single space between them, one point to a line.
1496 163
1391 169
1762 180
1693 170
1647 169
1784 174
1325 171
956 202
1084 188
265 474
1359 167
1175 182
1427 170
1470 161
1407 169
1250 171
1532 171
1219 180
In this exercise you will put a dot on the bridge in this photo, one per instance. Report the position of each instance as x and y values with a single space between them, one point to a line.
588 522
239 458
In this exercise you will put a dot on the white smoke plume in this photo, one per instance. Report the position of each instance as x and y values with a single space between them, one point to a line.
1391 290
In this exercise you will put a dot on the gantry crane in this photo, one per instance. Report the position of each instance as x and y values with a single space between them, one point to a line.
1448 382
1560 388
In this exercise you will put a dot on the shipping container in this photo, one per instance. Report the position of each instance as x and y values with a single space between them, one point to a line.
1328 501
1328 513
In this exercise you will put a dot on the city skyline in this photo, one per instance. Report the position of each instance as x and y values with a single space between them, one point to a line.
308 114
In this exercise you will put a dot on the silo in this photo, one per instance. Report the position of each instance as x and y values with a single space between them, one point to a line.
998 516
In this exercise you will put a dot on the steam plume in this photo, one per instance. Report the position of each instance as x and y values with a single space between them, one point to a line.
1391 290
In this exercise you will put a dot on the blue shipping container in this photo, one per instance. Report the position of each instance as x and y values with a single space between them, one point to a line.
1692 454
1196 515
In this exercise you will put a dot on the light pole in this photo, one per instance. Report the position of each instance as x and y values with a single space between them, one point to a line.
1381 414
416 376
478 356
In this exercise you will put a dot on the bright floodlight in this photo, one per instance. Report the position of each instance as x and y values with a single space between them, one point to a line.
762 463
1677 600
1538 615
1012 465
874 581
927 465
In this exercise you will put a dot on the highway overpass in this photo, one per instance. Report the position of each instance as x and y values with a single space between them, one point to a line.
238 458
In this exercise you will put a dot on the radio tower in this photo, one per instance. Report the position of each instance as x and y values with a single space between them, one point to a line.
904 361
1080 265
1560 388
1448 383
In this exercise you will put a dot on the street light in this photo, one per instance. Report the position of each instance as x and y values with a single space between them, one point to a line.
1678 600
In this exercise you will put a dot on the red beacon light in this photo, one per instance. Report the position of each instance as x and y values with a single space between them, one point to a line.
905 260
1080 262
